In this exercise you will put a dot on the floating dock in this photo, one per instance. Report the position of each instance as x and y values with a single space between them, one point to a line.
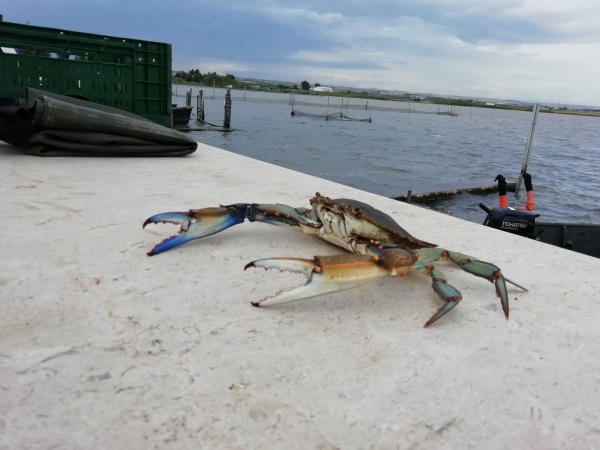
102 346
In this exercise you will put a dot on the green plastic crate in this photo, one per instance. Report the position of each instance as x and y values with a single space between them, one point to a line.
128 74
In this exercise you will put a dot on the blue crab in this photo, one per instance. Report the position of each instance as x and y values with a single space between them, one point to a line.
380 247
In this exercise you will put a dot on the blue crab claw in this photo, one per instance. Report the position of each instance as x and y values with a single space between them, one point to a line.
326 275
195 224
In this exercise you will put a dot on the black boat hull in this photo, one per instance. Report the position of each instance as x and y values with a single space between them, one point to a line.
579 237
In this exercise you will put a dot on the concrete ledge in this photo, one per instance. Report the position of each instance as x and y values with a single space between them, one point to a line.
104 347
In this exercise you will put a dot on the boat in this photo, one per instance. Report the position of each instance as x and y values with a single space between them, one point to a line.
579 237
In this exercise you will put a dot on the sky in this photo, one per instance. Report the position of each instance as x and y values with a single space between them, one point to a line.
529 50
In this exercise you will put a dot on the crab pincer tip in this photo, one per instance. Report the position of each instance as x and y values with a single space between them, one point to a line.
247 266
257 304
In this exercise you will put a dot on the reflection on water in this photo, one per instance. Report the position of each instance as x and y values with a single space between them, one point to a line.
399 151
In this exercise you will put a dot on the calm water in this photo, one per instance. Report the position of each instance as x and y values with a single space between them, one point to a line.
424 153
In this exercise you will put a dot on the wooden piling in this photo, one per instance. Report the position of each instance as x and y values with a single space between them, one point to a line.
227 116
200 106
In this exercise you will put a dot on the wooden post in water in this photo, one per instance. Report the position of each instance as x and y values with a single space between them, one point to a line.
200 106
536 110
213 89
245 89
409 196
227 117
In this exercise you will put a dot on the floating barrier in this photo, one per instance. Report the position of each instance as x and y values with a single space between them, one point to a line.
431 197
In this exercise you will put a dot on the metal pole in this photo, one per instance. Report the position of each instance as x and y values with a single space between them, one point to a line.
227 118
409 196
245 89
213 89
536 110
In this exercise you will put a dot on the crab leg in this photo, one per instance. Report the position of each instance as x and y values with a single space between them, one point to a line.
449 294
481 269
329 274
199 223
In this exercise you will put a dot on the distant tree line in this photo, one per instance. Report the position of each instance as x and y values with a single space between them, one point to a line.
207 79
306 85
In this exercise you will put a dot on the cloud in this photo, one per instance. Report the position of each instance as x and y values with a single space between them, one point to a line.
519 49
357 64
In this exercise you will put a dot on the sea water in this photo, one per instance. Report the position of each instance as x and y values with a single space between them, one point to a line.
398 152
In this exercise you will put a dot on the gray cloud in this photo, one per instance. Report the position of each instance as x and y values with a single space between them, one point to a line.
535 49
361 65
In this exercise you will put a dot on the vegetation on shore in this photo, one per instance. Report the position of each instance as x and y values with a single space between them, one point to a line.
194 77
210 79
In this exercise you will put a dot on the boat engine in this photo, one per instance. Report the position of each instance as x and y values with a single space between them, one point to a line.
519 221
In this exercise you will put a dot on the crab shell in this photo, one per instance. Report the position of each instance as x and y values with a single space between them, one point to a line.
359 220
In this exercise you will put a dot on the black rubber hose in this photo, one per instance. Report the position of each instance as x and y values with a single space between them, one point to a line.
528 183
485 208
501 184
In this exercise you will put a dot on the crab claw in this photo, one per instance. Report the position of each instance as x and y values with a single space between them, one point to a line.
326 275
195 224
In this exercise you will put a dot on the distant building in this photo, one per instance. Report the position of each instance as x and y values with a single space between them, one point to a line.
322 89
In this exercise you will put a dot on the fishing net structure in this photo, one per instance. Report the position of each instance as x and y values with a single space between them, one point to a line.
330 116
339 106
342 104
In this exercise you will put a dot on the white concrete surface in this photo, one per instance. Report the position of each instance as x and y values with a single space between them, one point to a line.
104 347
